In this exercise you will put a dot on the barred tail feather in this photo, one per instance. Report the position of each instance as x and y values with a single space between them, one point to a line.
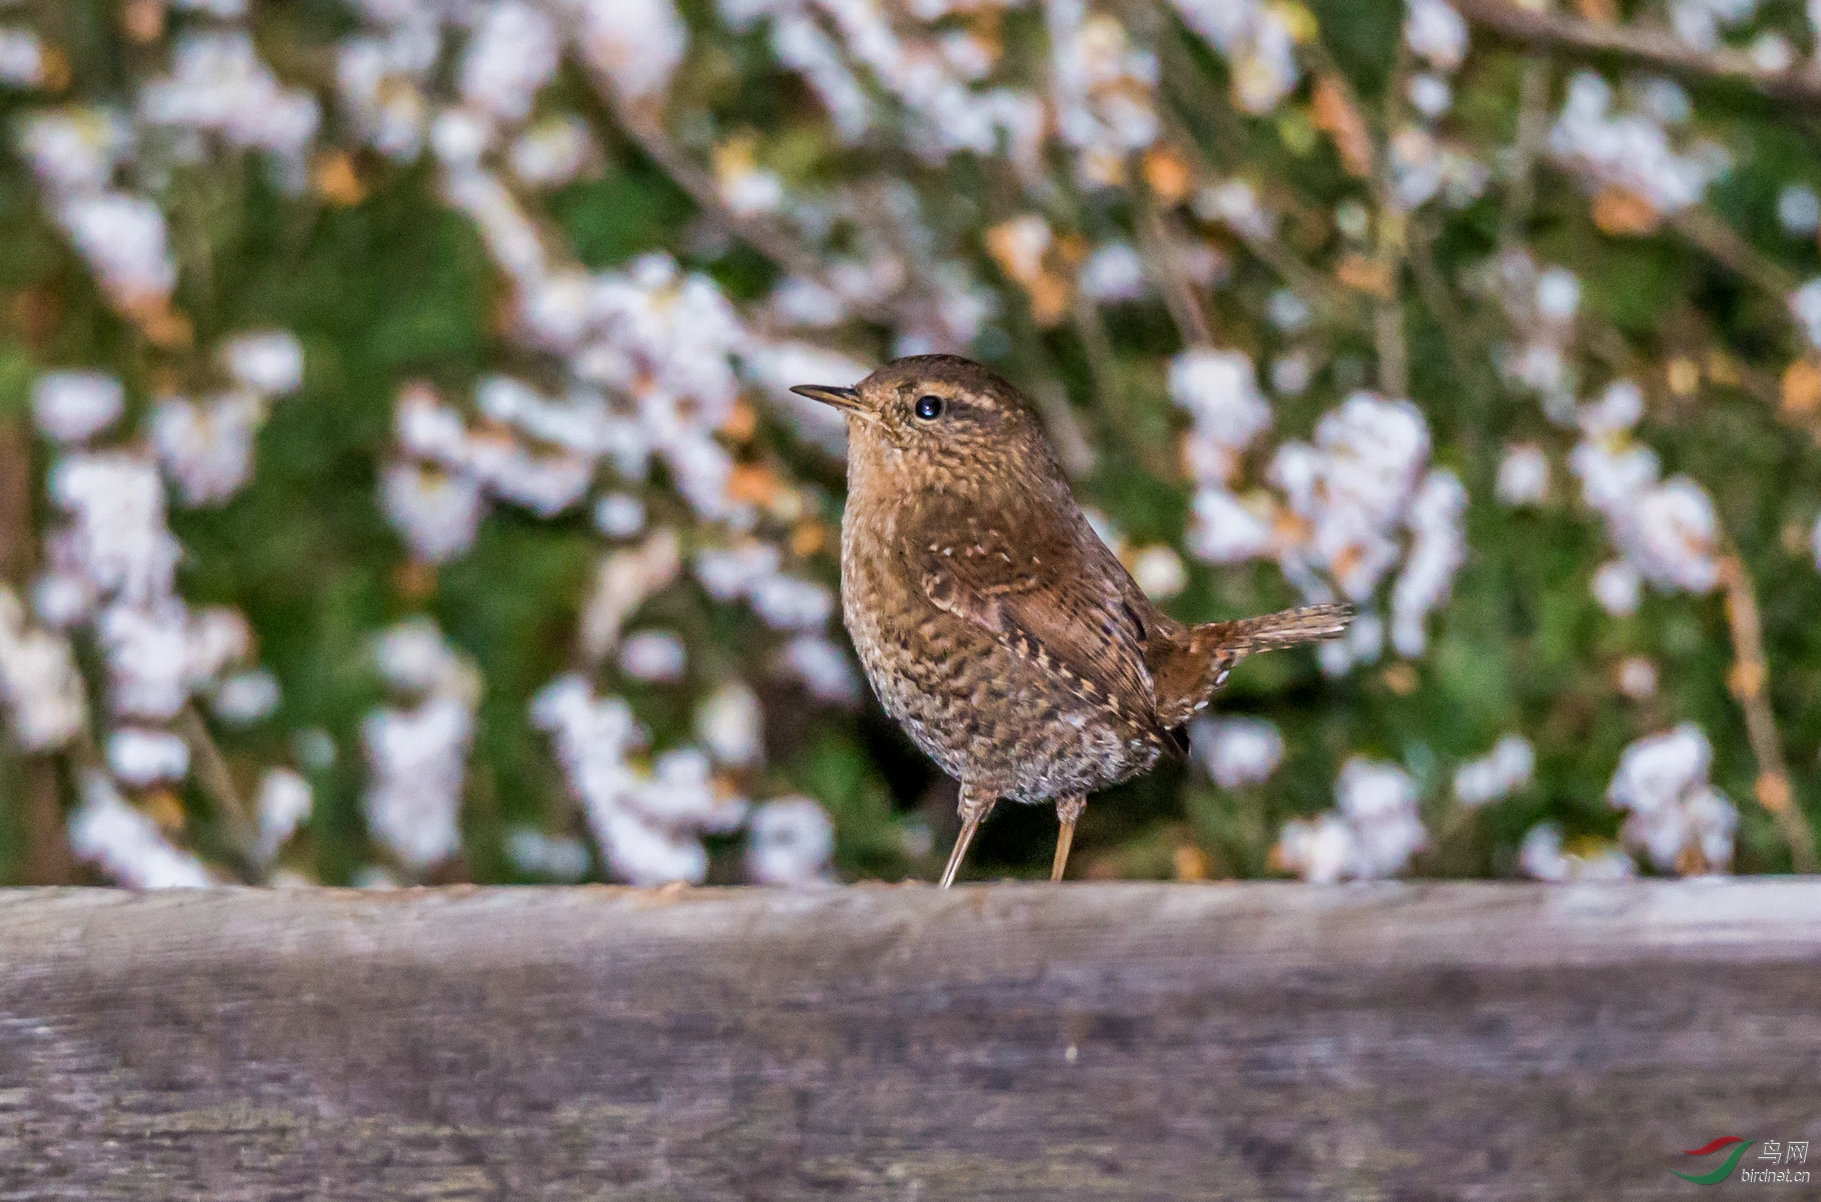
1310 624
1192 665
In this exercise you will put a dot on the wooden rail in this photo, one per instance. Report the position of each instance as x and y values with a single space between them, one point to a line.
1089 1041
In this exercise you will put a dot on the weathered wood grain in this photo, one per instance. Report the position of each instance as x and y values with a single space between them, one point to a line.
1092 1041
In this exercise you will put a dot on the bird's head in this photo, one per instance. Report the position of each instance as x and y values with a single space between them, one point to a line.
933 420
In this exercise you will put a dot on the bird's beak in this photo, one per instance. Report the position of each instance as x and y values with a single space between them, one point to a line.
840 398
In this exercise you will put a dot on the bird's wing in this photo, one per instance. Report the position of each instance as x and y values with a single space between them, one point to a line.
1056 599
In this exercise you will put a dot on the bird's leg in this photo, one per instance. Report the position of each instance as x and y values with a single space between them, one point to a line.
1067 811
976 804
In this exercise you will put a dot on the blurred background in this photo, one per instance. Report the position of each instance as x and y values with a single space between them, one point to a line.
399 481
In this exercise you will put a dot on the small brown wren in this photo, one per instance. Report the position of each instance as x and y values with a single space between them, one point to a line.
992 622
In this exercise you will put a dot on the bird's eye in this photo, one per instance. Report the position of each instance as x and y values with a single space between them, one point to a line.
928 408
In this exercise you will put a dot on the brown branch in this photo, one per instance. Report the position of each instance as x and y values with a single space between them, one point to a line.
17 546
1388 332
1725 246
1748 682
217 782
1158 242
1656 48
1072 446
1526 149
47 859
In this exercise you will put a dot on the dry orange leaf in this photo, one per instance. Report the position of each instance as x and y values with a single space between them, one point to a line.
33 314
806 538
1683 376
1401 679
1616 211
1772 791
336 180
1801 390
414 581
1335 115
1365 274
741 422
163 808
1167 174
53 70
752 482
1017 245
143 20
161 323
1049 299
1189 863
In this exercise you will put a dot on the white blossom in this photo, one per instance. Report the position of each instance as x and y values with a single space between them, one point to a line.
418 760
246 697
206 448
1224 529
123 238
789 842
1429 94
1159 571
219 86
654 655
45 703
1438 547
417 754
1236 751
1523 476
437 513
1435 32
647 822
1319 850
1113 273
23 58
1630 151
551 153
139 757
1371 834
512 53
1542 856
1798 210
1219 389
825 670
269 362
1257 42
1504 770
534 853
1805 307
75 151
1350 492
1674 815
158 657
282 804
730 724
1637 678
637 44
74 406
619 515
126 844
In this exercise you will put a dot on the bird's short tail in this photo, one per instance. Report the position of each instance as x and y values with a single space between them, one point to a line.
1197 661
1310 624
